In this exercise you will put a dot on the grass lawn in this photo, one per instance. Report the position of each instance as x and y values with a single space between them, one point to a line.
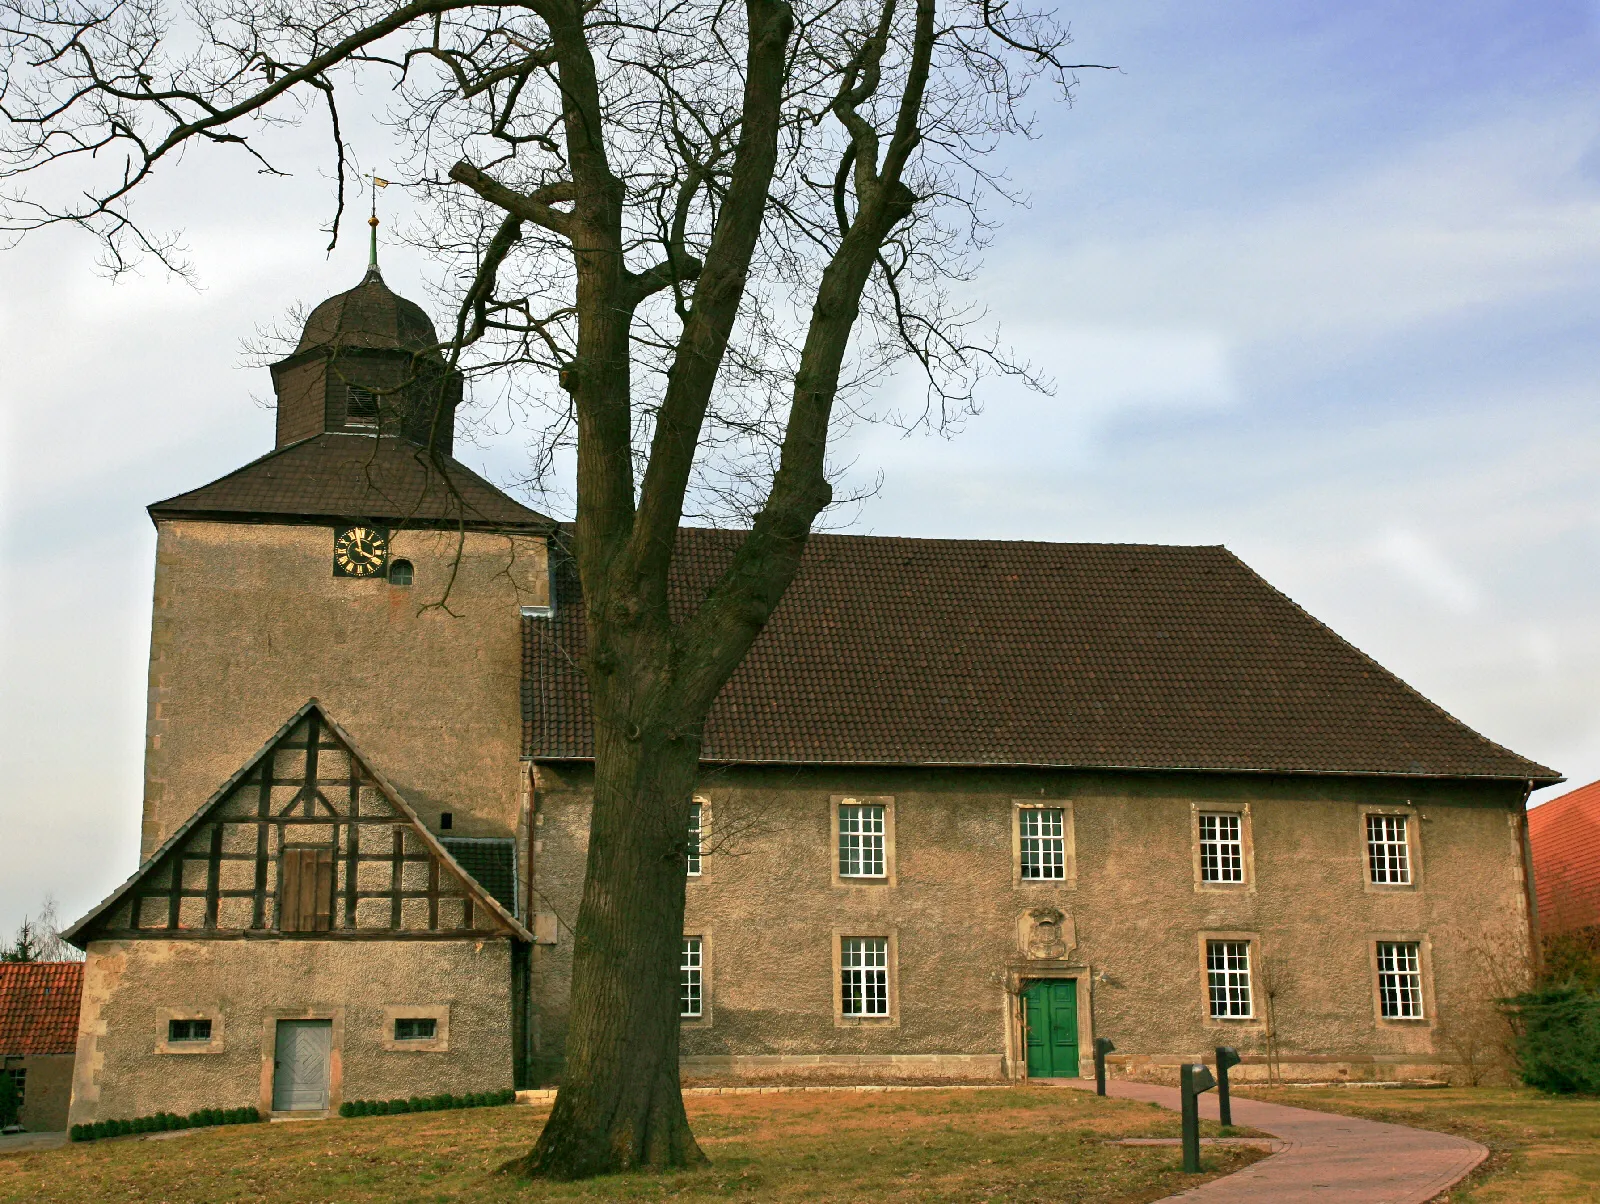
1542 1147
1009 1144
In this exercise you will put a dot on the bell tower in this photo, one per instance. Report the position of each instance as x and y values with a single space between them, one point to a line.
368 362
358 563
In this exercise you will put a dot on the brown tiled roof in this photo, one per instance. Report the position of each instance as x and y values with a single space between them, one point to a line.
39 1007
1565 835
337 475
968 652
369 315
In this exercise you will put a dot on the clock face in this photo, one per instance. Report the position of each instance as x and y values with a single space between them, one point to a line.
360 551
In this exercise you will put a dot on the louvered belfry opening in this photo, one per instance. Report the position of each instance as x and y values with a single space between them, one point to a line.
305 841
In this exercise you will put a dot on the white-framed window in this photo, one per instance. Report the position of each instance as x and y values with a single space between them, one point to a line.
1042 843
1400 980
691 984
864 976
1221 847
1388 853
19 1079
1228 979
692 845
861 833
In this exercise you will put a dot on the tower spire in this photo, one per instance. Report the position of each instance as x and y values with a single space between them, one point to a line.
372 253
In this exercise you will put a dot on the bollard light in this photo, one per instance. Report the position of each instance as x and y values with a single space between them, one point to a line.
1102 1046
1193 1078
1227 1056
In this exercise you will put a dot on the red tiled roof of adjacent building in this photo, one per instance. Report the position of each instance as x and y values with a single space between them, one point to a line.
1565 835
975 652
335 476
39 1007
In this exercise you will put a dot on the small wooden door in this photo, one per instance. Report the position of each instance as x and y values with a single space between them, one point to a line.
300 1071
1050 1011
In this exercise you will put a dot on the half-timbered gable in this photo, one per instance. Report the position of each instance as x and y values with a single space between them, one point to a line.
306 840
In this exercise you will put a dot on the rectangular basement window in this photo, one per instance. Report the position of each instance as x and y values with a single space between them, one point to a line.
188 1030
415 1028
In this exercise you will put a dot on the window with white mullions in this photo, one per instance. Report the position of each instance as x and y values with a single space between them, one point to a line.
19 1080
1400 980
1388 855
1228 978
864 976
690 982
861 829
692 846
1221 848
1043 843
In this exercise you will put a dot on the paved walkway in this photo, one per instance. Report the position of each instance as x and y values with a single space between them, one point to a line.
22 1143
1325 1157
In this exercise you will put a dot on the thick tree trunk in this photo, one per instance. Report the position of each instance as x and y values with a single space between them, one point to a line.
620 1105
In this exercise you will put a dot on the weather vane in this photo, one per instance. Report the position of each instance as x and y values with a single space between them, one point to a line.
372 255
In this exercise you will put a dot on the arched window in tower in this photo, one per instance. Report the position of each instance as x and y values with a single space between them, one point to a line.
360 406
400 572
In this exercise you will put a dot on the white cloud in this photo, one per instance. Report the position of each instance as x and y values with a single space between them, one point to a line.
1425 567
1485 215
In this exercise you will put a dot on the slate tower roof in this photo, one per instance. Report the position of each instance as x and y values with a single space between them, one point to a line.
366 425
370 316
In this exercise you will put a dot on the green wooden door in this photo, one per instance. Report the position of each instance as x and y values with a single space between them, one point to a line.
1051 1011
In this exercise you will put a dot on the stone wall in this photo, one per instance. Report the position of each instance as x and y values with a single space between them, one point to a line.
249 622
126 1067
770 909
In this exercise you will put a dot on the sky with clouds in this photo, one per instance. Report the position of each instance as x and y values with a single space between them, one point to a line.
1317 282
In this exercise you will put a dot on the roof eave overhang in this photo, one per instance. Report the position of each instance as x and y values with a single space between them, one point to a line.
1548 778
159 513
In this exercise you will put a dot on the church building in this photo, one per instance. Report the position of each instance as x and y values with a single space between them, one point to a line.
967 805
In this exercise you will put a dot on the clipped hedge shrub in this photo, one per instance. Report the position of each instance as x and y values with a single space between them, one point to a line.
1558 1038
429 1103
164 1122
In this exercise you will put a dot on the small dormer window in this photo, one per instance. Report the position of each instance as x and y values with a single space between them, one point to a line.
401 573
360 406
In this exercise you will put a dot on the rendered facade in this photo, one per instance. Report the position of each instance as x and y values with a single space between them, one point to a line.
966 806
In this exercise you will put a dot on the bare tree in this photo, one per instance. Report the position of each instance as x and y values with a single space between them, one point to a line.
707 228
38 938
